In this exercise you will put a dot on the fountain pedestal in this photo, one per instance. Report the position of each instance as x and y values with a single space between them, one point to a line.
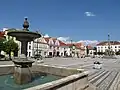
22 73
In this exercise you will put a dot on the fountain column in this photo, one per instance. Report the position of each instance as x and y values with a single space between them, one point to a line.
22 73
24 45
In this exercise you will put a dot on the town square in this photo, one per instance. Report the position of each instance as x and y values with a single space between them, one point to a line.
59 45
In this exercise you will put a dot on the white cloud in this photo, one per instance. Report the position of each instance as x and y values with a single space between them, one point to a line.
63 38
89 14
89 42
46 35
66 40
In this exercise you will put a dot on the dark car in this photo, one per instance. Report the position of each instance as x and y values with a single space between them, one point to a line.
2 56
96 62
37 56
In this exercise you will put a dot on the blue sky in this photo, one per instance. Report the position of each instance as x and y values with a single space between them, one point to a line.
77 19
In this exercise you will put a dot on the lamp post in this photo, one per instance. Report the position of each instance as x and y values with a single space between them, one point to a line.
71 48
108 44
37 44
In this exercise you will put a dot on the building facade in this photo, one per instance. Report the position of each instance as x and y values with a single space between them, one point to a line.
103 46
37 47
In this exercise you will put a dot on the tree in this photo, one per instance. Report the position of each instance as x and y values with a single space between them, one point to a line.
87 50
100 53
10 46
95 49
118 52
1 44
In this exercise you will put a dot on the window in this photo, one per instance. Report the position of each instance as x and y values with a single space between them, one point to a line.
29 42
50 47
101 50
115 46
30 47
29 54
45 53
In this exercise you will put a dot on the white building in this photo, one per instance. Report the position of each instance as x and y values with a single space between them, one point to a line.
38 46
103 46
56 47
47 47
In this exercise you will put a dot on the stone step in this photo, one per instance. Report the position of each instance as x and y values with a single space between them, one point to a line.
101 79
93 72
115 83
105 85
91 87
98 77
94 75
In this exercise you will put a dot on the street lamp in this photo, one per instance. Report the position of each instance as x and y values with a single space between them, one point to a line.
108 44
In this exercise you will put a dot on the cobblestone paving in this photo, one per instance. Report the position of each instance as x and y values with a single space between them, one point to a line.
107 78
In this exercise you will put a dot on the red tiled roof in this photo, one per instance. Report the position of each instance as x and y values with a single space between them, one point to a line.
78 45
62 43
2 34
106 43
54 40
89 47
47 39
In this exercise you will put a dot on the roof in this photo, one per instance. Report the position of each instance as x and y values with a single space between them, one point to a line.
2 34
106 43
54 40
77 45
62 43
90 47
47 39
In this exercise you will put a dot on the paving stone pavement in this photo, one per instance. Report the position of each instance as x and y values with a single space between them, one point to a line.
107 78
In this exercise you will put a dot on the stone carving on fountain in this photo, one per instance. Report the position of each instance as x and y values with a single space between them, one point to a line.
22 73
26 24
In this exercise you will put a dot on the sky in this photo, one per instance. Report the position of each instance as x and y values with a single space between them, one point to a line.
73 19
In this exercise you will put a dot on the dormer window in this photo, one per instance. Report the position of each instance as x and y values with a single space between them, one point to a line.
57 43
51 42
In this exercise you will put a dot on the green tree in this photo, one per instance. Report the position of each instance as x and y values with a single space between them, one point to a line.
1 44
118 53
10 46
87 50
95 49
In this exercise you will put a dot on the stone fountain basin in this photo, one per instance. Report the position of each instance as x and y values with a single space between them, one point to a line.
26 35
73 79
23 62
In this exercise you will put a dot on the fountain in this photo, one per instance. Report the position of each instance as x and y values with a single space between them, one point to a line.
47 77
22 73
109 54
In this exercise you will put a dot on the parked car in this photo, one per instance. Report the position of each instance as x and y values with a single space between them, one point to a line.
2 56
37 56
97 65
